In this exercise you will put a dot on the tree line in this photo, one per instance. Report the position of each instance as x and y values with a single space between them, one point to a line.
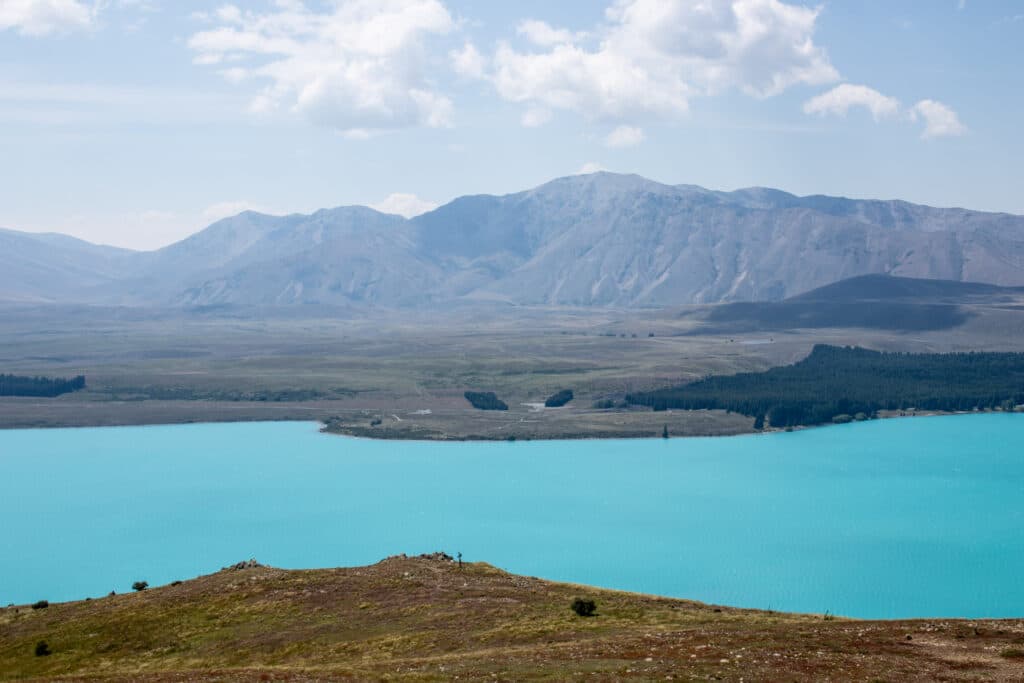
15 385
844 381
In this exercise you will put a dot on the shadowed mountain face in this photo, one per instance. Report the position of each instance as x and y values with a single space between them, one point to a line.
880 302
592 240
890 288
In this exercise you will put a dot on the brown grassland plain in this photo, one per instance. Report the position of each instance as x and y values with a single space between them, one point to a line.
403 374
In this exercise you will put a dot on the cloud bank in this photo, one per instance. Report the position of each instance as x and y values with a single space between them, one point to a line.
43 17
651 57
361 66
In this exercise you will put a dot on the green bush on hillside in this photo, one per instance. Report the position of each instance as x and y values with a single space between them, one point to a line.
584 608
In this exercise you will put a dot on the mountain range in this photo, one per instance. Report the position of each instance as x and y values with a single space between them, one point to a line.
588 240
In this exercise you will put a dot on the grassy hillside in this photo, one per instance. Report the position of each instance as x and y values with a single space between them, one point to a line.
429 619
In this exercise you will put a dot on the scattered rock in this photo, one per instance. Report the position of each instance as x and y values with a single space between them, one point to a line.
438 556
247 564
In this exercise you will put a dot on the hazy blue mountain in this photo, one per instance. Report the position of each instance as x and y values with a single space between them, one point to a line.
47 267
343 255
590 240
607 239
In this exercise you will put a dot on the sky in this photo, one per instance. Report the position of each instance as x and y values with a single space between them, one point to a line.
138 122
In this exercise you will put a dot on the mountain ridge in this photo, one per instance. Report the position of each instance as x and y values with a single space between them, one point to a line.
601 239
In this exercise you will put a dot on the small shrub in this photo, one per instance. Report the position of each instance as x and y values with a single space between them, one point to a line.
42 604
1012 653
140 586
559 399
175 583
485 400
584 608
42 649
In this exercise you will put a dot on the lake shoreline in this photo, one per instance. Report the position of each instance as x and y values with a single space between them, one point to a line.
467 425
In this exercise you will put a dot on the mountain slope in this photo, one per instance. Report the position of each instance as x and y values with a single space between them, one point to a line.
890 288
882 302
621 240
50 267
592 240
343 255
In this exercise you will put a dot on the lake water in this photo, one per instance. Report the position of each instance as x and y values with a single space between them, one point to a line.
893 518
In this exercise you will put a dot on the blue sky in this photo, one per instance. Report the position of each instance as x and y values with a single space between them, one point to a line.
138 122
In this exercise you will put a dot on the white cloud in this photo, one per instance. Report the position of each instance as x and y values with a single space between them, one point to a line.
535 116
360 65
468 61
653 56
590 167
939 120
842 98
43 17
401 204
625 136
543 34
220 210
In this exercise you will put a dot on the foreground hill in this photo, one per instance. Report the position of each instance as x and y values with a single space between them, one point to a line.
428 619
591 240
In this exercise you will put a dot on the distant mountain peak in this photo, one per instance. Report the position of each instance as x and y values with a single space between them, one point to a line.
600 239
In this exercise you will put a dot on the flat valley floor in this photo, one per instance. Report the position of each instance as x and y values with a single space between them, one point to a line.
394 374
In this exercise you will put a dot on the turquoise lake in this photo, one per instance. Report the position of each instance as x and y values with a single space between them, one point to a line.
893 518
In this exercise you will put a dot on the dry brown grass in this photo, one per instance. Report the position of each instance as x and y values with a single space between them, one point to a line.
416 619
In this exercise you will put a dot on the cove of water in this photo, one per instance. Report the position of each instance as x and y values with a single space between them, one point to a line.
893 518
